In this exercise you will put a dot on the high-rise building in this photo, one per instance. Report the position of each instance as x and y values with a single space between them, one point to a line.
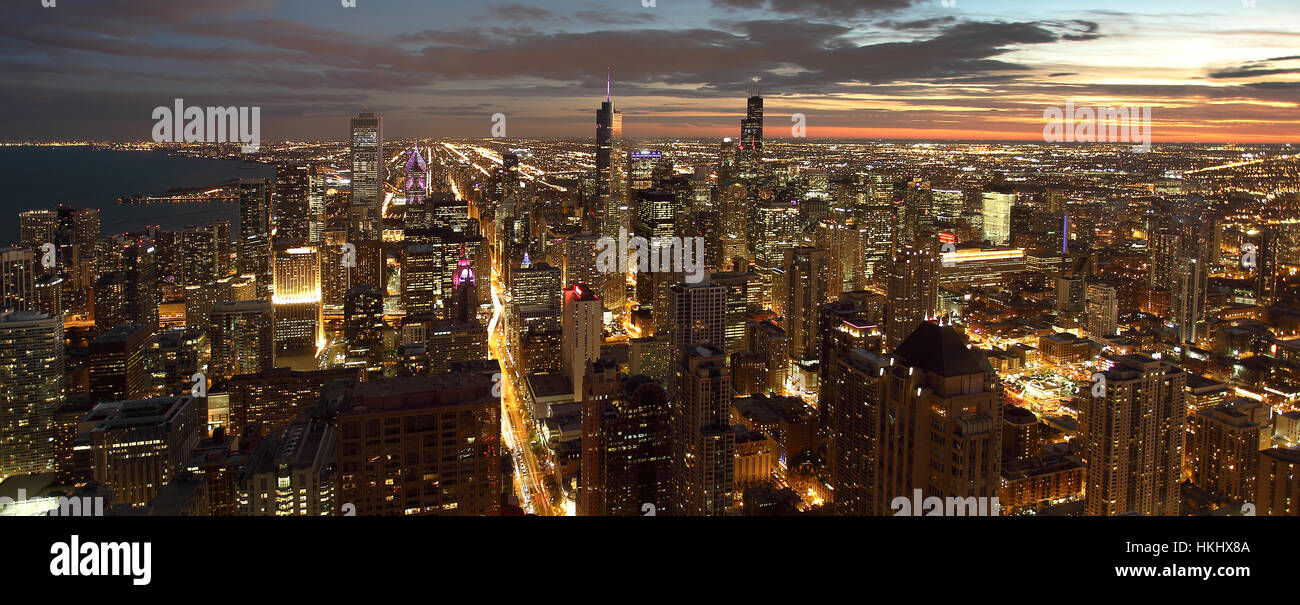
581 322
807 276
118 363
852 397
877 224
940 422
445 433
138 446
37 228
32 388
18 271
363 327
297 301
1133 438
242 338
1278 482
750 152
367 151
703 440
1103 310
697 315
736 287
274 397
1267 267
254 208
173 357
291 472
1071 294
422 270
913 291
997 216
603 213
626 443
1223 445
293 201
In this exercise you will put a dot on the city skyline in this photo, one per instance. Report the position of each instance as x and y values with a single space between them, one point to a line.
1210 71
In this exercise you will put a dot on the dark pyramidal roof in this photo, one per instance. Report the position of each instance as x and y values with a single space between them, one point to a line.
941 350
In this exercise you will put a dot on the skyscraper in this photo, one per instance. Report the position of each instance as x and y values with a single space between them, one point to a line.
1103 310
807 276
117 363
1267 267
913 292
297 301
626 443
750 155
363 326
18 270
367 174
703 440
580 320
852 396
604 214
1133 437
242 338
32 388
293 201
939 422
254 250
37 227
697 315
997 216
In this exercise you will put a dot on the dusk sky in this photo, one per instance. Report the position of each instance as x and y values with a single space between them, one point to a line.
1212 70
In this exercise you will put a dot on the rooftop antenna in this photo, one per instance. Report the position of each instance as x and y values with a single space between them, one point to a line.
607 72
754 85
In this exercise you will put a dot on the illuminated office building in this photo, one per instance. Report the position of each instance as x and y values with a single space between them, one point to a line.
293 215
807 286
367 152
363 327
991 268
421 279
138 446
297 299
997 216
32 387
242 338
18 270
749 155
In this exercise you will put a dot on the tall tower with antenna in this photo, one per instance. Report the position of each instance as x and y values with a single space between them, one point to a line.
603 213
750 156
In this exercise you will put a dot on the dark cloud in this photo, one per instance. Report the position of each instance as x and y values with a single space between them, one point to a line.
520 12
1254 69
818 8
